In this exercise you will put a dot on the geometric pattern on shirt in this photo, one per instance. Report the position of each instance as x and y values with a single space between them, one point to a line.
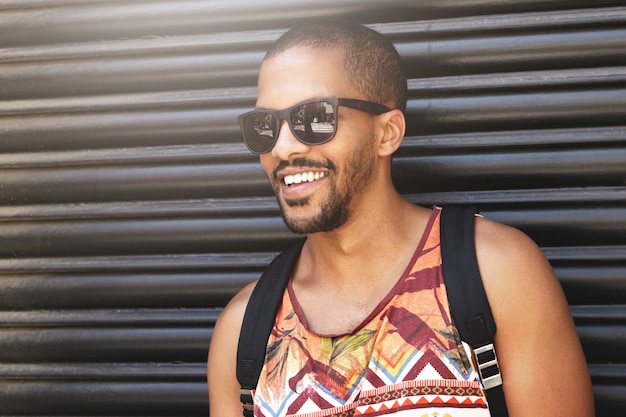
409 342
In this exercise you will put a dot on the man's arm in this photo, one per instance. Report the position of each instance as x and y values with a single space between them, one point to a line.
542 363
222 363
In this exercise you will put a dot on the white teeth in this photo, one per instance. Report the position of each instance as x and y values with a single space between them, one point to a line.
303 177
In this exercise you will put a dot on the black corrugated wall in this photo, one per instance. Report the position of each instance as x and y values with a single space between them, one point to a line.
130 211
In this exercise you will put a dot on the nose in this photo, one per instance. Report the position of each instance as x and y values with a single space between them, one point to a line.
287 144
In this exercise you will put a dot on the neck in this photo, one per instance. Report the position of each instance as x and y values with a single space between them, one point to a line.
374 239
343 275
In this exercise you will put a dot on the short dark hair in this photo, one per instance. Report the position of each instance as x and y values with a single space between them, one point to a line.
371 61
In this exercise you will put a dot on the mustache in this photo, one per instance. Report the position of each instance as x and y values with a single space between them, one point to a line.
302 163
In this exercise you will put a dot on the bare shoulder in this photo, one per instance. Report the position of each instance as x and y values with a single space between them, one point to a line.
222 360
229 322
233 313
519 281
228 325
541 358
509 260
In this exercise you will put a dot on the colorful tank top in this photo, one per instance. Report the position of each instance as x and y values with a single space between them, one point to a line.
406 359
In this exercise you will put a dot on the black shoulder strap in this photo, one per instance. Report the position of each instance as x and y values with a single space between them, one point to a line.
258 321
468 302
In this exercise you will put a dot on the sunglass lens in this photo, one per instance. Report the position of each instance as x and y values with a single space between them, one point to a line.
259 131
313 123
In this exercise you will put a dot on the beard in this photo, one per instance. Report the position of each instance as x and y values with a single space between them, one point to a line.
336 210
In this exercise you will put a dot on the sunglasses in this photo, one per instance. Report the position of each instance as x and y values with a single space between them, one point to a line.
312 122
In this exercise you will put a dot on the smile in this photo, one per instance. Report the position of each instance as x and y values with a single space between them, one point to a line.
303 177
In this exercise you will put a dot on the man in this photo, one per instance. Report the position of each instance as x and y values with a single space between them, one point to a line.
365 315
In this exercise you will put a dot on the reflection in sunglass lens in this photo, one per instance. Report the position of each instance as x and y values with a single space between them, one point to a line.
313 123
260 131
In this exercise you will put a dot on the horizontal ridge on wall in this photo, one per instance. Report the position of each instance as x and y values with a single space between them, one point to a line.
69 21
459 46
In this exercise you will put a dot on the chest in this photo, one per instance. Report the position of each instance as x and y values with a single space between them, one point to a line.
410 341
335 313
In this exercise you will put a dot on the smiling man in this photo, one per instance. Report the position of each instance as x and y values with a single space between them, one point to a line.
365 317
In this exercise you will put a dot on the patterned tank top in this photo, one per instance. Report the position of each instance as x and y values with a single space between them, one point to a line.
405 359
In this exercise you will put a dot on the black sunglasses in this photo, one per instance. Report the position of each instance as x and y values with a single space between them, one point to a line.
312 122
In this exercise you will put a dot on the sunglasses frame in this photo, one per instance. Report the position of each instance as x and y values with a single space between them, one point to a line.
284 114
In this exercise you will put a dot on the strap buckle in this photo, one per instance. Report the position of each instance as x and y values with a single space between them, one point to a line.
247 401
488 366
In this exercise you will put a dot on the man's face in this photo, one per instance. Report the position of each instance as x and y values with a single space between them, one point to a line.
316 186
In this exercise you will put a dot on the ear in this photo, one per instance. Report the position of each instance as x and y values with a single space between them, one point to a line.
394 127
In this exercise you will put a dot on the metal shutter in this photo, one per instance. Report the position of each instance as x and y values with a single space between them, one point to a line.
130 211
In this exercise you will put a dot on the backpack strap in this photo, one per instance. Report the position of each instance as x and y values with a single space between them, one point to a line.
258 321
468 302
